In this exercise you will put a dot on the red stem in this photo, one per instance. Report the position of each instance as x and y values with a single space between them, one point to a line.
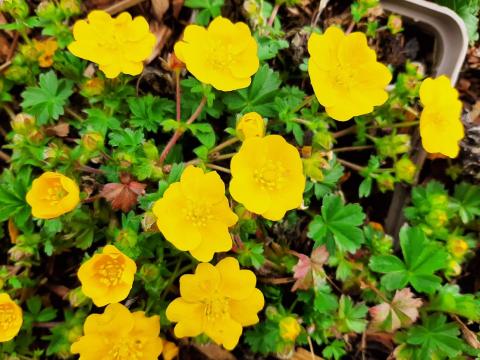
178 133
274 14
178 94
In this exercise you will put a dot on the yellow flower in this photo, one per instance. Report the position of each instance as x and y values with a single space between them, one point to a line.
218 301
267 176
194 214
52 194
11 318
116 44
107 277
46 49
250 125
440 126
223 55
118 334
346 77
289 328
170 350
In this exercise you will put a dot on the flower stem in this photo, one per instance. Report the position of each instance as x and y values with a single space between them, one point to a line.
304 103
178 94
9 111
5 157
121 6
344 132
178 133
219 168
302 121
393 126
350 165
353 148
224 144
222 157
274 14
89 169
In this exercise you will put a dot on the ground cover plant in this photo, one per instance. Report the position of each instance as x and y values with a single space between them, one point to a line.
220 179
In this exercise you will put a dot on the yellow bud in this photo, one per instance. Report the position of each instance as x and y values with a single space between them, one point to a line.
76 297
454 268
22 123
92 141
405 170
289 328
457 247
92 87
250 125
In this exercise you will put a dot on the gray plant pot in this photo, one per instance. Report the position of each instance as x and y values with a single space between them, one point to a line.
450 49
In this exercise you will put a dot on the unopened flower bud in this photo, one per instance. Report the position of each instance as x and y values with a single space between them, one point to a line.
289 328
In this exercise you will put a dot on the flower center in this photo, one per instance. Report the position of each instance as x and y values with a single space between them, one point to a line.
216 307
126 349
54 193
7 316
270 176
198 214
343 76
221 55
110 270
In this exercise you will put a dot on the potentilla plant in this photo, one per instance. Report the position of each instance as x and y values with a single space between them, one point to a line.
181 174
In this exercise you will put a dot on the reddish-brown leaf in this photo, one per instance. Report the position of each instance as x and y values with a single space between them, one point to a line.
123 195
309 269
401 312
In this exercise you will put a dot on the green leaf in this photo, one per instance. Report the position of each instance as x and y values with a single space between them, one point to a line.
421 260
435 338
351 317
99 121
204 133
335 350
268 48
448 299
468 10
337 222
258 97
251 254
148 112
13 190
126 139
466 201
47 101
211 9
263 338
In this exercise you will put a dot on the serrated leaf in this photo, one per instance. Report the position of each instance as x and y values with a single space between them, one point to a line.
351 317
149 112
421 260
436 338
402 311
339 222
259 96
466 201
450 300
47 101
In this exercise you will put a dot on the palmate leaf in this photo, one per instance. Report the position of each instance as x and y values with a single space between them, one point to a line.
466 201
338 225
448 299
13 190
435 338
47 101
149 112
421 260
259 96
